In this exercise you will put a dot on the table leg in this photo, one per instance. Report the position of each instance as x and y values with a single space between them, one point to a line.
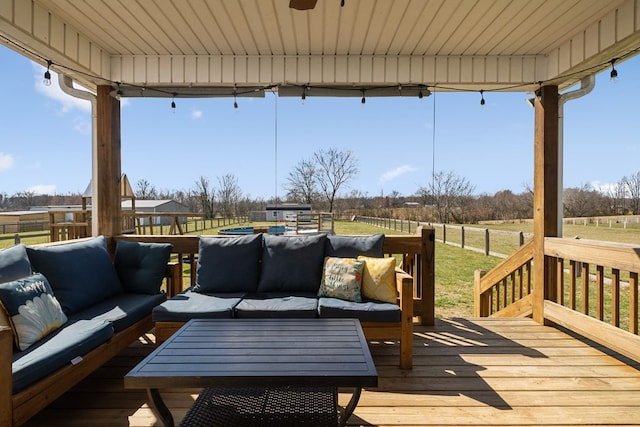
159 408
351 406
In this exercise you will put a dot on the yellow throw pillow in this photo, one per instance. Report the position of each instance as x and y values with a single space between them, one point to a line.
379 279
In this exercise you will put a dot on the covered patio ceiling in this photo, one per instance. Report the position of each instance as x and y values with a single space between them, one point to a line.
386 47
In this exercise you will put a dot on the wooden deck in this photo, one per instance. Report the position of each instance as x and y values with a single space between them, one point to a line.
466 372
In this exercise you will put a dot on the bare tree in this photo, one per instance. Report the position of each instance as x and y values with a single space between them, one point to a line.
334 170
582 201
632 185
302 183
145 190
617 194
204 193
450 194
229 194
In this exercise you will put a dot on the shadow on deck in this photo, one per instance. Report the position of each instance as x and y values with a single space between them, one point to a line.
466 372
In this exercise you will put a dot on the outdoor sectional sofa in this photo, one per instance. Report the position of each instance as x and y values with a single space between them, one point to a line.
270 276
66 310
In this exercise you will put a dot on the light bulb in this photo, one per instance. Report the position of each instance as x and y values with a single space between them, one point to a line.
47 75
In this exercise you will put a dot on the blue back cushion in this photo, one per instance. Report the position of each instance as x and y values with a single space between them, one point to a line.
80 272
229 264
14 263
142 266
292 263
354 246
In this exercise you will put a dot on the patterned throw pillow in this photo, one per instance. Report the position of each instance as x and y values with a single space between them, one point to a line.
33 310
341 278
379 279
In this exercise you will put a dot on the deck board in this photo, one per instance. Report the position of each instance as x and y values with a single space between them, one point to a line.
492 372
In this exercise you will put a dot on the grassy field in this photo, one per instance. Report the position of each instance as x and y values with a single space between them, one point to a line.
454 266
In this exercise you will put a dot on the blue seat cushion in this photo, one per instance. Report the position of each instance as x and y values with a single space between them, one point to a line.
80 273
228 264
353 246
292 263
77 338
272 305
194 305
366 311
141 266
122 310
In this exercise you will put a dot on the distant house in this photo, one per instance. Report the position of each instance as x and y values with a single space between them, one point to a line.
286 210
21 221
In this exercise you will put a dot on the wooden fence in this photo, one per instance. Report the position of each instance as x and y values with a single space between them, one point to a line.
498 243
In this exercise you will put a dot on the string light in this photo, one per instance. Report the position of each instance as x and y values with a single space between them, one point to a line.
304 93
118 92
614 72
235 97
173 103
482 97
47 74
363 100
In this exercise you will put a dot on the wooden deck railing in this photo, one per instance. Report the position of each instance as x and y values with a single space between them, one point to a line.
416 253
595 294
506 290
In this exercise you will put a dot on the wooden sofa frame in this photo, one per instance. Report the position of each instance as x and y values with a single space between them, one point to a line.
402 331
17 409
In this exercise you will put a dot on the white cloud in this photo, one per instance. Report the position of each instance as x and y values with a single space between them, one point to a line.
42 189
196 114
6 161
82 125
394 173
606 188
67 102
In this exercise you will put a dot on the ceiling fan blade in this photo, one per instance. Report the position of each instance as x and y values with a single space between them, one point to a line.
302 4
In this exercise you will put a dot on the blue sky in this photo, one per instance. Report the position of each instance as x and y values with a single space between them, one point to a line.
45 145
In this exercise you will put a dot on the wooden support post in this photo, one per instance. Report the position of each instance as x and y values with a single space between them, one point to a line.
109 212
545 195
6 383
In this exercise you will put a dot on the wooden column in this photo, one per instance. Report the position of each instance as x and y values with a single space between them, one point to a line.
108 213
6 382
545 195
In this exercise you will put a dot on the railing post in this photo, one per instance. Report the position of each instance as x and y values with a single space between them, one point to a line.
480 299
425 274
521 238
462 237
444 233
486 241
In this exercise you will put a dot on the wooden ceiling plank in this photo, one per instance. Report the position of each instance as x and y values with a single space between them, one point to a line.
413 21
442 12
210 22
85 19
484 43
243 28
571 21
390 27
361 27
163 16
381 11
266 28
229 27
199 38
473 25
457 15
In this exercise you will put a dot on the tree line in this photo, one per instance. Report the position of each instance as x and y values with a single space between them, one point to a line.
323 181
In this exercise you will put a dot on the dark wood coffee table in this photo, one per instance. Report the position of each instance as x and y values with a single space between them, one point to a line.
255 360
